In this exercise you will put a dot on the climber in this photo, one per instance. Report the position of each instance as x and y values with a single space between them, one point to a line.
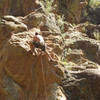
38 42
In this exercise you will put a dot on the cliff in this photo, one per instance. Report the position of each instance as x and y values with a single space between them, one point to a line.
74 47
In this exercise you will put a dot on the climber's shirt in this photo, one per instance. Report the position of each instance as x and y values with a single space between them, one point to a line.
38 42
41 40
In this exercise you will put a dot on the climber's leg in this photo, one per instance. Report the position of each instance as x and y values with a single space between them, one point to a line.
50 58
43 48
33 46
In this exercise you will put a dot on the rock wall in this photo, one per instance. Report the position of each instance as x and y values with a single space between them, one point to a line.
17 7
74 72
72 9
24 76
82 85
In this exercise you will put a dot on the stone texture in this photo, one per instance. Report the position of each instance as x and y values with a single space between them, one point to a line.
81 50
42 21
82 69
92 30
83 85
72 9
17 7
22 75
93 10
33 20
8 26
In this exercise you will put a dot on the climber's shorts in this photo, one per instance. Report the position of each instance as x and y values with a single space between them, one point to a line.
38 45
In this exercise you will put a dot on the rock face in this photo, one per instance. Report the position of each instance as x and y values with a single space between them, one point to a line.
74 72
94 11
82 69
72 9
93 31
42 21
8 26
83 85
22 75
81 51
17 7
94 14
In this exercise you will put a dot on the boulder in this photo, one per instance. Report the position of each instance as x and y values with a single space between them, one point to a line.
81 50
10 25
72 9
93 11
93 31
44 22
82 85
33 20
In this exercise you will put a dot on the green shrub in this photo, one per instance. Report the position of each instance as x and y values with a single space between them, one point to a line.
94 3
96 35
47 6
61 22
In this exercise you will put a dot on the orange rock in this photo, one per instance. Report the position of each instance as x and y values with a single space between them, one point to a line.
24 75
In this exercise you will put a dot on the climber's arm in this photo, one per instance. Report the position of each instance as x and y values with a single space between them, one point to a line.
32 48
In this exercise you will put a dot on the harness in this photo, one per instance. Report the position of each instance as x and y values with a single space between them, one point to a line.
38 45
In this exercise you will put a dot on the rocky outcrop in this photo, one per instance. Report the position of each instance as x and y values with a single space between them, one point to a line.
17 7
8 26
82 68
93 11
72 9
81 50
93 31
42 21
82 85
95 15
22 75
74 71
33 20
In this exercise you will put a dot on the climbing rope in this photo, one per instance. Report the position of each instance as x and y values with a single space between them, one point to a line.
37 86
44 80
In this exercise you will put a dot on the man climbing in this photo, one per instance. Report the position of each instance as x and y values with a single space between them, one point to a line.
38 42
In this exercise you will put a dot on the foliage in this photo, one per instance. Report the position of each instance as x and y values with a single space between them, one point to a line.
63 63
96 35
47 6
94 3
61 22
